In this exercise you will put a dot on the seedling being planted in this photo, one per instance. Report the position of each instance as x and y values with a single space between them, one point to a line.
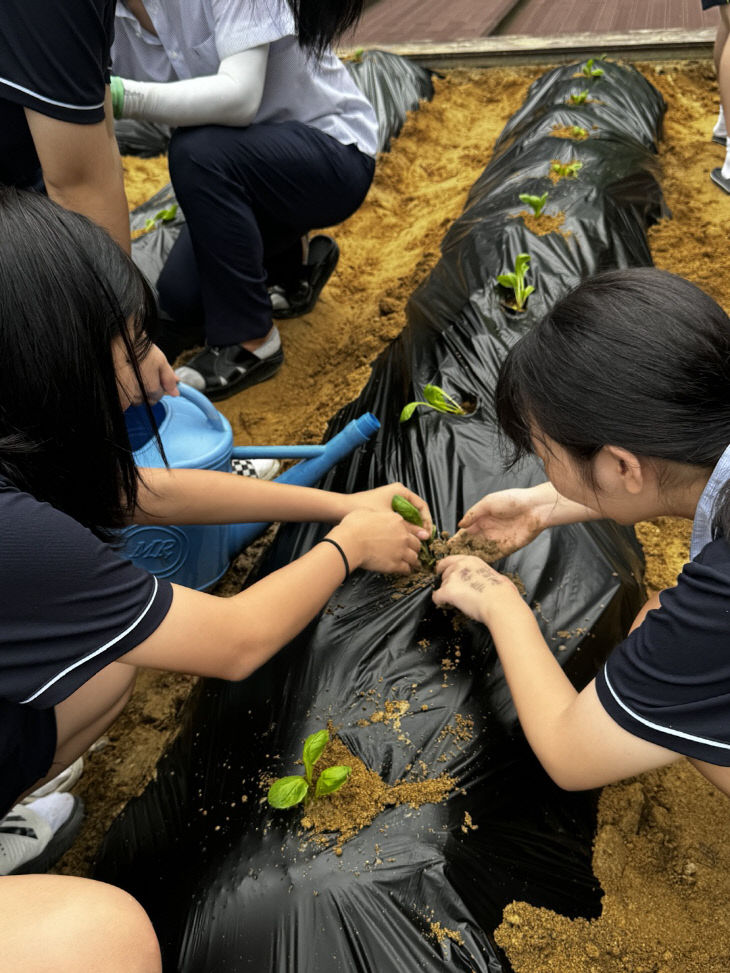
579 97
436 399
164 216
536 203
515 281
589 71
566 170
288 791
408 512
577 131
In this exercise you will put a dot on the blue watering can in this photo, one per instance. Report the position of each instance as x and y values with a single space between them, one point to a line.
196 435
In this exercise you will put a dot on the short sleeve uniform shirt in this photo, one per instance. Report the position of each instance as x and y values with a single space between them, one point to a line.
669 681
54 59
194 36
70 605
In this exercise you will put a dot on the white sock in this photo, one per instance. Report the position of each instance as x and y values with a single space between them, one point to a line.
720 128
270 346
726 165
56 809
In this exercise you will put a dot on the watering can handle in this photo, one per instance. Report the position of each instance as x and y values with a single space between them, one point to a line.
204 404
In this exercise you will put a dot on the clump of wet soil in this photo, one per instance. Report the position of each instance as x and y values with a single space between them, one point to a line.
544 223
342 814
576 133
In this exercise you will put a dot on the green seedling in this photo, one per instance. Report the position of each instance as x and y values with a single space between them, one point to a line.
408 512
579 97
536 203
288 791
436 399
577 131
164 216
566 170
357 54
515 281
589 71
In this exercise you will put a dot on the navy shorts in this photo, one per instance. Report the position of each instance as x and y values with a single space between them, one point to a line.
28 744
708 4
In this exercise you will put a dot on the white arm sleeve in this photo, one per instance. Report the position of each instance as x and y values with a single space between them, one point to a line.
231 97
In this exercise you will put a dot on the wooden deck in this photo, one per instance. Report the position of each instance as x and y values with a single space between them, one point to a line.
399 22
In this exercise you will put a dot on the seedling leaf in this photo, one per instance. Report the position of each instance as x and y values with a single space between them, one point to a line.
406 509
331 780
438 399
313 748
409 409
590 71
579 98
536 203
515 280
287 791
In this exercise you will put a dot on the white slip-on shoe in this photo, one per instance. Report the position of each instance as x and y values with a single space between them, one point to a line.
29 844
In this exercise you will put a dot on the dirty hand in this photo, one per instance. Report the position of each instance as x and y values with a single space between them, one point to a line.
470 585
381 497
509 518
380 540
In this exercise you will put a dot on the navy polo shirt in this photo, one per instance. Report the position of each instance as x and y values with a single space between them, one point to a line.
70 605
54 59
669 681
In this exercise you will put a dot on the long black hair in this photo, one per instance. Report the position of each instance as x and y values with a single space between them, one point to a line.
637 358
319 23
66 291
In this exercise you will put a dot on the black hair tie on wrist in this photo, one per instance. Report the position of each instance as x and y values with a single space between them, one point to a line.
328 540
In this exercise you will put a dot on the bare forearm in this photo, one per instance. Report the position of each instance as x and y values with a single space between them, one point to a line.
304 587
555 509
104 202
210 497
541 691
82 169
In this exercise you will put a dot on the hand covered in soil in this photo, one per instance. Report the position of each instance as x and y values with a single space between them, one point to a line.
472 586
508 518
380 540
381 498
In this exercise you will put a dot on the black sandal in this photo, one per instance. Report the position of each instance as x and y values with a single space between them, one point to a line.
321 262
220 372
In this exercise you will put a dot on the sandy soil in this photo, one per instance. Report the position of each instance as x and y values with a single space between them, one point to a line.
661 853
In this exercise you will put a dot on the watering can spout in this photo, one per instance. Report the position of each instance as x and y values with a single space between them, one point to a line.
309 471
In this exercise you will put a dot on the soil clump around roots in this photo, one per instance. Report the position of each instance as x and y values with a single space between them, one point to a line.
362 797
661 850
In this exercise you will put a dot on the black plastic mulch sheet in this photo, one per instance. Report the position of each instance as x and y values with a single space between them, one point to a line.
394 86
232 885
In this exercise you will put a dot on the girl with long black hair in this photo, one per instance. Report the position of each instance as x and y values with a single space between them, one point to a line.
623 392
76 619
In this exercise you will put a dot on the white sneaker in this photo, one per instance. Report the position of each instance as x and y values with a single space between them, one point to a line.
262 469
59 784
29 842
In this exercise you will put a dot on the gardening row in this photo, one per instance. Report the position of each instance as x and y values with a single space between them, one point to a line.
447 816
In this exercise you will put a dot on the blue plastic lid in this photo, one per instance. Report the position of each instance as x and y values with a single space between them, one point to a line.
193 433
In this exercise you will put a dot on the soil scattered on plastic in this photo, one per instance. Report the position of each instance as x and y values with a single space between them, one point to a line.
363 797
543 224
576 133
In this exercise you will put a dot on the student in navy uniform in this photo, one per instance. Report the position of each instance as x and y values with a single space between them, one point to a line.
623 391
76 619
721 57
56 126
272 138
